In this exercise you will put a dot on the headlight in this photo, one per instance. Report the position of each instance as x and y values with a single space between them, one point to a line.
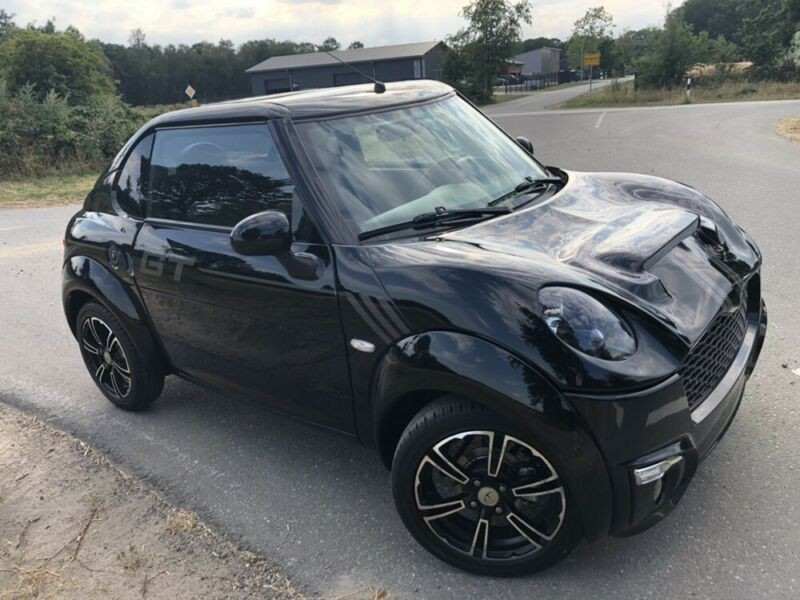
585 324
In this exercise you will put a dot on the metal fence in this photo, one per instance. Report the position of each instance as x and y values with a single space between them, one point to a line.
532 83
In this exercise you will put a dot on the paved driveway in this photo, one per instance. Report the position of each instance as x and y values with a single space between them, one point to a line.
320 505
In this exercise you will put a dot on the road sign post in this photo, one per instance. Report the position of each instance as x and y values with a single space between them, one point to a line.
591 60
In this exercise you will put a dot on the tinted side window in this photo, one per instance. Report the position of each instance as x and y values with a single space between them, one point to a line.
217 175
130 187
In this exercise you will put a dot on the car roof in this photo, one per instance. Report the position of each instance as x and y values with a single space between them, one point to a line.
309 104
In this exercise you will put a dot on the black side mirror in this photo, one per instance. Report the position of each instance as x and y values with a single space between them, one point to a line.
262 234
525 143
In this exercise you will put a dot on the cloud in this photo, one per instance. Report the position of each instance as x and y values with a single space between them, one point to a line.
374 23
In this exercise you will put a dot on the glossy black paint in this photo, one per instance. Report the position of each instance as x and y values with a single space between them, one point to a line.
453 312
525 143
262 234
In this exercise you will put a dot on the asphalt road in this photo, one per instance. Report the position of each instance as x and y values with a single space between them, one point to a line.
320 505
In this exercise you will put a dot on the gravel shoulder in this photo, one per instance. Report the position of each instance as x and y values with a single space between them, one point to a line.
72 525
789 128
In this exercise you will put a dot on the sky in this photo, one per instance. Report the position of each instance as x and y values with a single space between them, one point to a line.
373 22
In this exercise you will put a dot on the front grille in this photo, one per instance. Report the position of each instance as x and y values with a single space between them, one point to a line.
713 354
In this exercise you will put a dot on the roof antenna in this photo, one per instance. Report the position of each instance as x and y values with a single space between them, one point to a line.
380 87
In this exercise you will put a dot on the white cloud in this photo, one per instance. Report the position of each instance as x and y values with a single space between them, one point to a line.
371 21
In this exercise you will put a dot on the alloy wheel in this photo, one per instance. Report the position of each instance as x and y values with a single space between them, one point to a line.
106 359
489 495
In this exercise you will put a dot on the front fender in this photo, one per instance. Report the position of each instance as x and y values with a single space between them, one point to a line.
84 277
441 362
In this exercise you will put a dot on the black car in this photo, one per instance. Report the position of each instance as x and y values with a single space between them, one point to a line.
539 355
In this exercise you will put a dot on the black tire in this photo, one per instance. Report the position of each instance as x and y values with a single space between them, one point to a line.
125 377
452 424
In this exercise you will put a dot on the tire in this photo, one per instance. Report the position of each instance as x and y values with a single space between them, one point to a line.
468 512
126 378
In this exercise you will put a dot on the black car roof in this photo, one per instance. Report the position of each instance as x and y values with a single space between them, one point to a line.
316 103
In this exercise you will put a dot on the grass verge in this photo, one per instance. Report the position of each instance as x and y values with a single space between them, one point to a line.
789 128
45 191
624 94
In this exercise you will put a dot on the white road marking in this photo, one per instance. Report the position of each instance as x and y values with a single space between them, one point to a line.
599 120
12 228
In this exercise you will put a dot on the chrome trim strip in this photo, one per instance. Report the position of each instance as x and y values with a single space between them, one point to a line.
715 398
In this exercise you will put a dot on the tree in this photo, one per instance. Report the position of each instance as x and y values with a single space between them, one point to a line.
718 17
675 51
767 36
355 45
588 34
492 36
60 62
632 45
329 45
542 42
137 39
6 23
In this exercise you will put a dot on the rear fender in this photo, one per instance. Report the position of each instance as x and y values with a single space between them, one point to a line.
85 278
436 363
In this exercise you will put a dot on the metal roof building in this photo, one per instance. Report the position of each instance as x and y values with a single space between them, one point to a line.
540 61
422 60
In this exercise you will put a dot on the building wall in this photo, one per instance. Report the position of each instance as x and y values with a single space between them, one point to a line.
434 62
539 61
427 67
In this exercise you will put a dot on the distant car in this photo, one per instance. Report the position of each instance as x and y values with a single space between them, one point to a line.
501 81
539 355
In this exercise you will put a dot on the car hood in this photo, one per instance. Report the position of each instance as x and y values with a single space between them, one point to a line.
657 245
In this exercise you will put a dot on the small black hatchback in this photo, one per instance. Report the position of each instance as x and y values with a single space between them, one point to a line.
539 355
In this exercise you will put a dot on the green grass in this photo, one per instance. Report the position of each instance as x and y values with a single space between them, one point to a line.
45 191
623 94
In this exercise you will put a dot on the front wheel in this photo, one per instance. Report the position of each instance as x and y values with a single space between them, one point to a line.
125 377
479 494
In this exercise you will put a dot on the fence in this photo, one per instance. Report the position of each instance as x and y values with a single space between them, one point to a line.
530 83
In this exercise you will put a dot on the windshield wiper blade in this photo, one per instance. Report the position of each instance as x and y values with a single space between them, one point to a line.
440 216
527 184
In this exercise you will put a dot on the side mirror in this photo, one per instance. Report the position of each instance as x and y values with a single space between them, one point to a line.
262 234
525 143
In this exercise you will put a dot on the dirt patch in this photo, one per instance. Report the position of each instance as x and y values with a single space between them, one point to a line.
74 526
789 128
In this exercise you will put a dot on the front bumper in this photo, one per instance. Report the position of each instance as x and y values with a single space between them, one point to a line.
652 442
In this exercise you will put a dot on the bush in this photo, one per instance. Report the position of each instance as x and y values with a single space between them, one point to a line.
64 62
42 135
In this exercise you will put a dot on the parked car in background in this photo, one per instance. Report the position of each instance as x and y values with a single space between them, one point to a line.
539 355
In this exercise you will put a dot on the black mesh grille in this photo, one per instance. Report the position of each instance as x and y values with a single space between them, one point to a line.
713 354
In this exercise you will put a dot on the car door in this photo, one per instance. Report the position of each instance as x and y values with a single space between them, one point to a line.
265 325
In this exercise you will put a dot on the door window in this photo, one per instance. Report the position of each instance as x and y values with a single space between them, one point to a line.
130 186
217 175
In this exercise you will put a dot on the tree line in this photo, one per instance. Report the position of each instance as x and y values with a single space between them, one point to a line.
712 32
65 101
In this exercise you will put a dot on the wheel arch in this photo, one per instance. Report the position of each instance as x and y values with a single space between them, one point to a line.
87 280
424 367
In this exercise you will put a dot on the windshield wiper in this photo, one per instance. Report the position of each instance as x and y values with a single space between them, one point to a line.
440 216
526 185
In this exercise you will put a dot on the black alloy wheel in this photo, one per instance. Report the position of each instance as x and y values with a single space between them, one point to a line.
105 357
482 498
126 378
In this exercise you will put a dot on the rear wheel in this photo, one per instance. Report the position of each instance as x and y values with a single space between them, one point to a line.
478 493
126 378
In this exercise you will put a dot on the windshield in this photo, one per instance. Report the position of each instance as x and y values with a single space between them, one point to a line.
386 168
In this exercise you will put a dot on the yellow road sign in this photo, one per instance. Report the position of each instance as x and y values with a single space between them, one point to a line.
189 91
591 59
